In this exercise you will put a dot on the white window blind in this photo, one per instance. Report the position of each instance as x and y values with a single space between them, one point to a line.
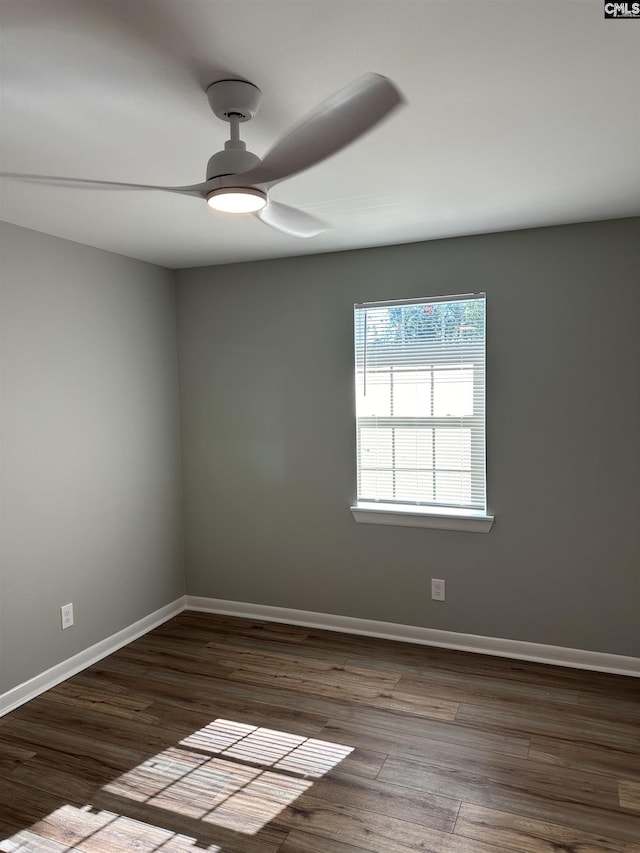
420 402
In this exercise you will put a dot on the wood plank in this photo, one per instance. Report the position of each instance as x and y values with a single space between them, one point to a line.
84 754
529 835
445 740
171 705
566 724
384 798
350 691
14 752
196 661
362 762
42 777
435 662
528 792
629 796
585 756
621 708
21 805
329 672
253 629
7 767
373 832
505 774
90 723
8 762
490 689
275 646
581 714
105 701
303 842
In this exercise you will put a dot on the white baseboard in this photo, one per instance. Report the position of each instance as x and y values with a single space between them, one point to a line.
49 678
517 649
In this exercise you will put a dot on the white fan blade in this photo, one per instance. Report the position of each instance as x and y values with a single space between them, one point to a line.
290 220
198 190
333 124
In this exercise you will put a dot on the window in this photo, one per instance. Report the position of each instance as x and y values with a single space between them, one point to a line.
420 412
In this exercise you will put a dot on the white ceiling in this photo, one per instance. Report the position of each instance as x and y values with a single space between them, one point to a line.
519 113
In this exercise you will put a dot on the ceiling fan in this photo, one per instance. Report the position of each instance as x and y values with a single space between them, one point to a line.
239 181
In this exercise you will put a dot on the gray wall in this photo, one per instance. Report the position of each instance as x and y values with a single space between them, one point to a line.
268 438
91 479
91 475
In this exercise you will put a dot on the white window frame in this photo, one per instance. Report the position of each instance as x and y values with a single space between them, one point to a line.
426 514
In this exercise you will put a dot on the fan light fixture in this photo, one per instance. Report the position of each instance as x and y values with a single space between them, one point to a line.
237 200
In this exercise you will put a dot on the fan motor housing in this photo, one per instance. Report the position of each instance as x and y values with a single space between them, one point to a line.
231 161
237 99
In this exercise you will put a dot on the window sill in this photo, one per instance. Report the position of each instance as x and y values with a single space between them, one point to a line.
411 516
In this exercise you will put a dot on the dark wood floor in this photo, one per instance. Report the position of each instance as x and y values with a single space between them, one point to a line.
220 734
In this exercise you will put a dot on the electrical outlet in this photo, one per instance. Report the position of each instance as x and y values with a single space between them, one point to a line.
437 589
66 616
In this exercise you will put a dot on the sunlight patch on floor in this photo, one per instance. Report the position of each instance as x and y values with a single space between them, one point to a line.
70 828
217 774
231 775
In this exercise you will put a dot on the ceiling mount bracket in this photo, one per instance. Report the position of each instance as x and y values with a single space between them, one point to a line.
234 99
